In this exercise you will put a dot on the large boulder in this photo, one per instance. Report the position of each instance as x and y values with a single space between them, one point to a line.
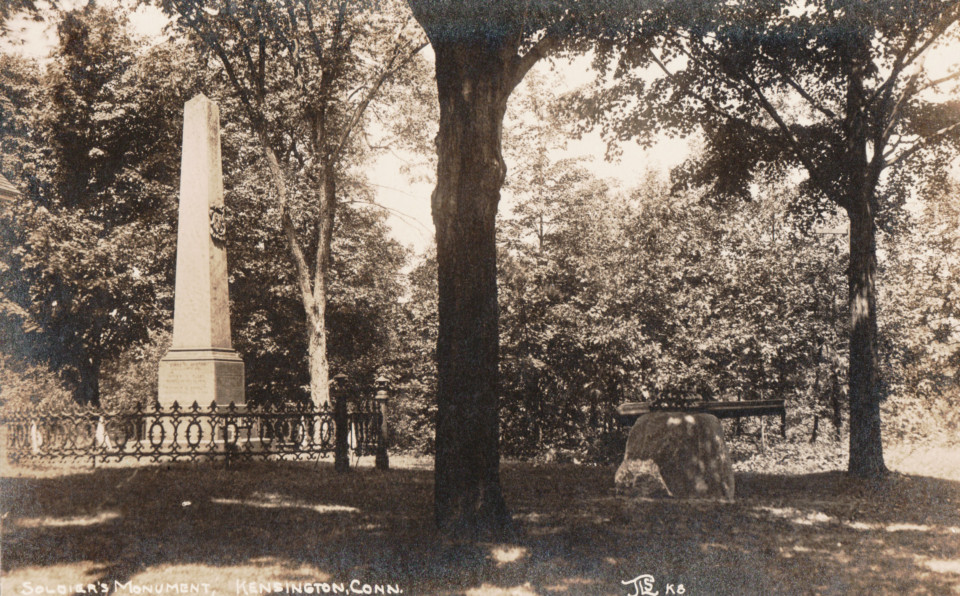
680 454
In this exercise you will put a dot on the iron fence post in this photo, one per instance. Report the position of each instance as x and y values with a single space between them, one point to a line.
341 449
382 398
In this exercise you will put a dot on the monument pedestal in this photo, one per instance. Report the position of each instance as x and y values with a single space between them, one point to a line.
201 375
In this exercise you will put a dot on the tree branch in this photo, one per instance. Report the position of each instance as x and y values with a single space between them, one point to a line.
805 95
708 103
904 58
244 47
361 107
922 144
214 44
289 230
522 64
259 127
894 116
941 27
314 38
895 70
940 81
774 114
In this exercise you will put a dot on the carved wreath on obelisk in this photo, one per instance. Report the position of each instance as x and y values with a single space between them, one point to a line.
218 225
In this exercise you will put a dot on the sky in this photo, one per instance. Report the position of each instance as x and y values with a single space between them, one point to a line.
407 202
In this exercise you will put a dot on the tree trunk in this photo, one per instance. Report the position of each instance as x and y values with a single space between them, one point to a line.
835 393
866 447
473 90
88 384
312 296
317 320
317 353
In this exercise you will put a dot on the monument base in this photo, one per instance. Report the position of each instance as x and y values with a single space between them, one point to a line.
204 376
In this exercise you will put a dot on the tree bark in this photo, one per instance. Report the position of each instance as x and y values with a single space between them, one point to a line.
473 86
862 176
312 295
476 46
319 366
317 320
866 446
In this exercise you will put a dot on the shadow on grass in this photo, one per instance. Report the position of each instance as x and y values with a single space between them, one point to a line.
817 533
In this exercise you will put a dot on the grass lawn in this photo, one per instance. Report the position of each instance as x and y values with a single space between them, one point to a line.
205 529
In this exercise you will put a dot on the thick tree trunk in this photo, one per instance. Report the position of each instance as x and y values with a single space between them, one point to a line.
471 80
866 447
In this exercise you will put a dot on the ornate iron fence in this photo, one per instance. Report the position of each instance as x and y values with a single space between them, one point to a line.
154 433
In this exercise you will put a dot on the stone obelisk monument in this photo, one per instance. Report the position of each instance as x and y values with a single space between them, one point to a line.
201 365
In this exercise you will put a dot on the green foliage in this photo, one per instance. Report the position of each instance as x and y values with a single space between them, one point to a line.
634 296
413 372
837 90
365 291
91 241
608 297
362 283
268 319
131 379
921 324
86 295
19 88
13 8
26 386
782 84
